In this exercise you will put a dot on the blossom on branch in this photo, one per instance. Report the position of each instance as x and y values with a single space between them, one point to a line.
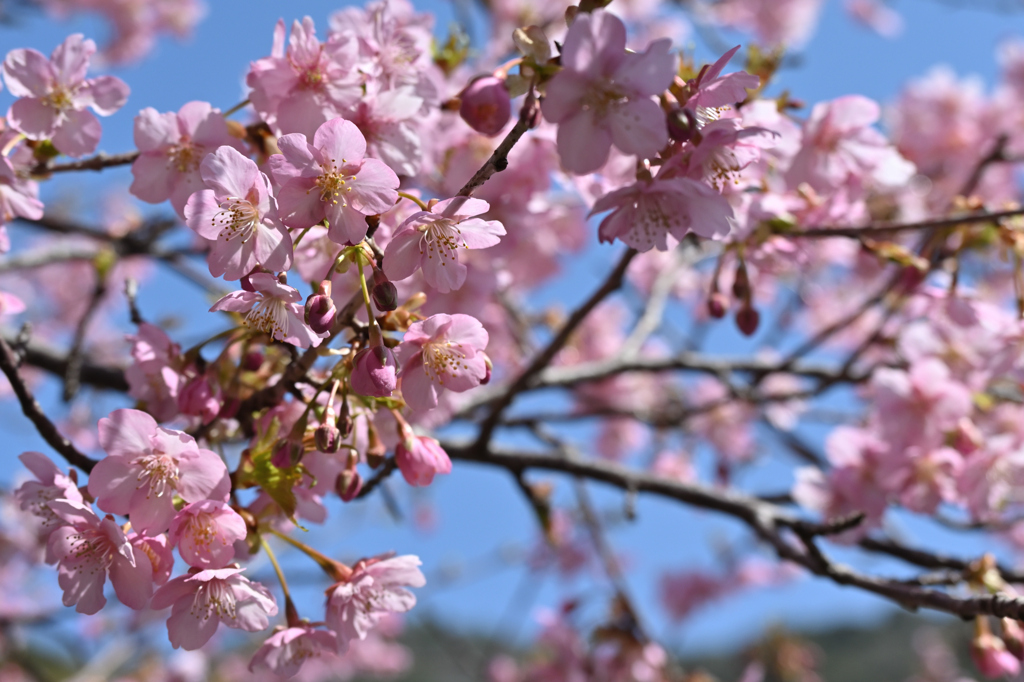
375 589
273 308
443 351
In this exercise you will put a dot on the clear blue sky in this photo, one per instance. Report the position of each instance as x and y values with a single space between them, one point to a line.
479 510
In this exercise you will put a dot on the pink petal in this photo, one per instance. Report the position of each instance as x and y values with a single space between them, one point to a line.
112 482
189 627
126 432
299 203
460 207
79 133
152 178
228 173
32 117
375 189
481 234
583 147
83 587
564 97
132 584
41 466
171 592
346 225
154 130
638 127
200 210
402 256
198 120
108 94
417 390
28 73
151 514
297 158
467 330
647 74
341 141
444 275
595 43
273 247
70 59
203 475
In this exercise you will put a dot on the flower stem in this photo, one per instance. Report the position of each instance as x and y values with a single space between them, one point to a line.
235 109
298 239
335 569
412 197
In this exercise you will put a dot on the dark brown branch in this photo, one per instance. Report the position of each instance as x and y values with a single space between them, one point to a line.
93 163
878 230
73 370
51 360
30 406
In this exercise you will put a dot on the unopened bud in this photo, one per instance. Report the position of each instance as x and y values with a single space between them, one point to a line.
320 313
327 437
344 420
348 484
486 105
287 455
718 305
489 366
682 124
741 283
252 361
375 449
748 319
384 292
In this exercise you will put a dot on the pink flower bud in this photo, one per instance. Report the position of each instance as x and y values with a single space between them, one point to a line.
748 320
252 361
384 292
374 372
199 398
327 437
990 655
348 484
489 367
320 313
486 105
741 283
682 124
1013 637
420 458
718 305
287 455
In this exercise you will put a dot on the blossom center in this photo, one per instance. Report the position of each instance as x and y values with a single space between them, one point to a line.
214 597
441 238
237 219
333 184
442 359
60 98
601 98
93 547
158 471
269 315
184 157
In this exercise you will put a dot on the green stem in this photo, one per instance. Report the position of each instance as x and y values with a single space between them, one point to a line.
335 569
235 109
277 567
298 239
411 197
366 296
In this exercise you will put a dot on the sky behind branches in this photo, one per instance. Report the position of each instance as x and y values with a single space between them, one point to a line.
476 511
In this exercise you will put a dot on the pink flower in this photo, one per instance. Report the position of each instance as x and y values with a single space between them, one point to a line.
288 649
430 240
87 550
712 91
374 372
331 179
388 119
238 212
153 377
157 550
773 22
146 465
419 458
990 655
646 212
297 89
840 146
171 147
272 308
19 197
878 17
205 533
375 589
603 94
200 397
54 95
202 600
443 351
51 484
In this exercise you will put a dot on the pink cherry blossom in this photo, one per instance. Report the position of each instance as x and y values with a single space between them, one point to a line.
443 351
990 655
272 308
50 484
54 95
158 550
486 106
201 600
603 95
877 16
388 121
205 533
200 397
285 651
171 147
88 549
298 88
19 196
840 146
420 458
146 465
644 214
430 240
154 377
375 589
711 91
332 179
237 211
773 22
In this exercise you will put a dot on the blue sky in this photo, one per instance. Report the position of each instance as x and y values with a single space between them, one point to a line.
479 511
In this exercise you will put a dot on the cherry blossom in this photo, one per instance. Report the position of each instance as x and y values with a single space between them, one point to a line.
238 212
171 148
331 179
19 197
273 308
88 549
375 589
205 533
146 465
420 458
442 352
54 95
154 376
288 649
603 94
430 240
201 600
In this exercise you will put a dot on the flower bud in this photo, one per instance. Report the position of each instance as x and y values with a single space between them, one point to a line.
682 124
344 420
420 459
252 361
748 319
741 283
374 372
1013 637
327 437
490 366
287 454
718 305
375 449
384 292
989 652
486 105
199 398
320 313
348 484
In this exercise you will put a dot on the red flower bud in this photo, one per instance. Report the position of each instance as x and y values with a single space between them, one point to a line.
718 305
348 484
320 313
486 105
748 320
